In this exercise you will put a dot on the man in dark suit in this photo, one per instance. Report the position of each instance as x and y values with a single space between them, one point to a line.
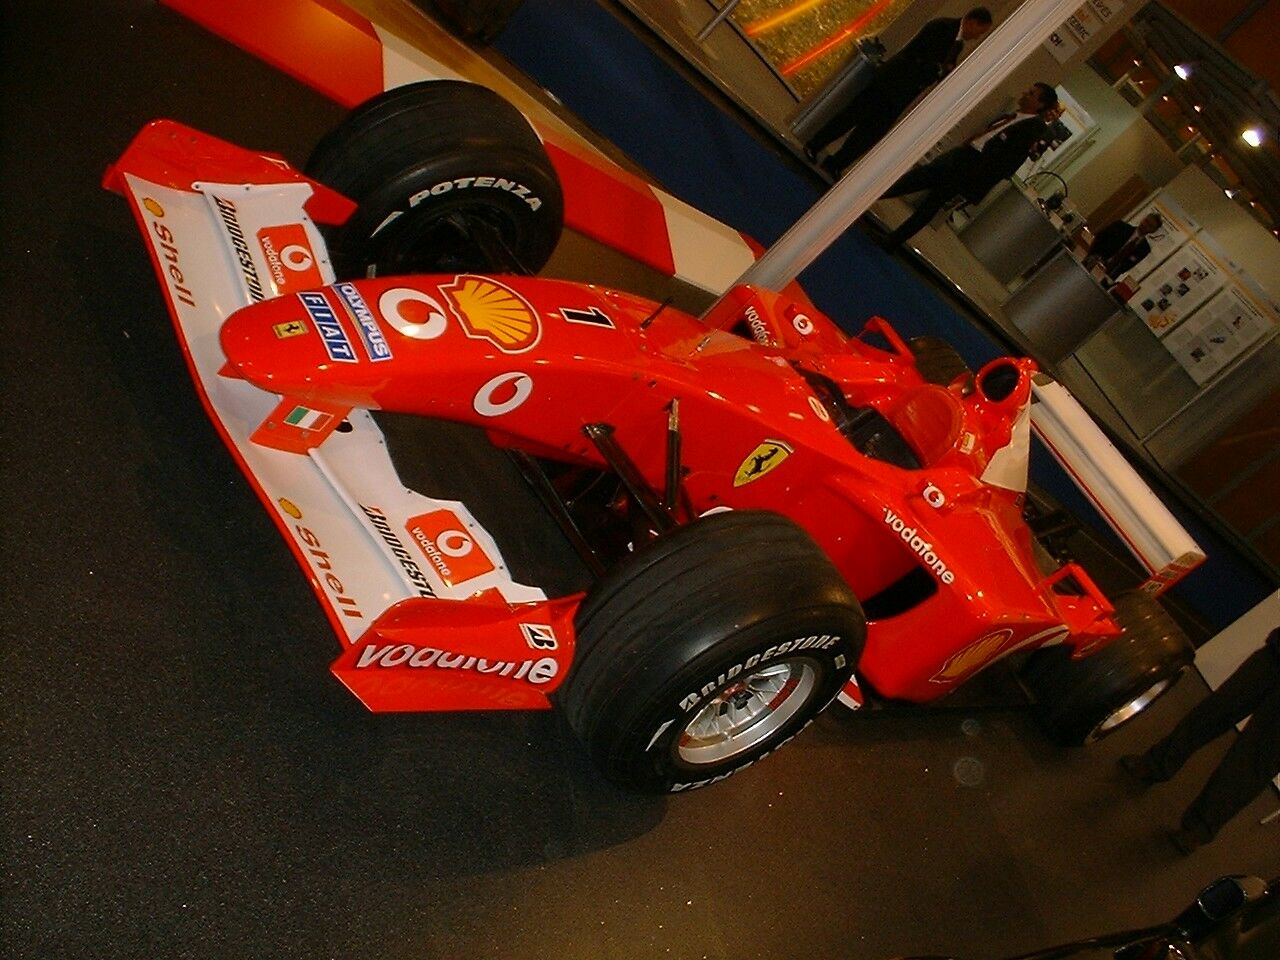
1121 246
971 170
930 55
1248 766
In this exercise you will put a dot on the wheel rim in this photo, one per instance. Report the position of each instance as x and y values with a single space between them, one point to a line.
747 712
1130 709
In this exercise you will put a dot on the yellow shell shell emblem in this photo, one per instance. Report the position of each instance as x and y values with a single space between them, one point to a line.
153 207
764 458
977 654
489 310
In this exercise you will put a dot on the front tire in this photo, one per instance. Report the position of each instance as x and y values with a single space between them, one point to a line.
707 649
448 177
1082 701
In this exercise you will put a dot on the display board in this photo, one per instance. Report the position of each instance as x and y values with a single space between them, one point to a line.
1173 290
1221 330
1079 28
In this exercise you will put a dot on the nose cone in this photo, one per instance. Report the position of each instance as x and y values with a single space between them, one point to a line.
309 343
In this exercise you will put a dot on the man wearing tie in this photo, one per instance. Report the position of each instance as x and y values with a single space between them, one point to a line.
971 170
928 57
1121 246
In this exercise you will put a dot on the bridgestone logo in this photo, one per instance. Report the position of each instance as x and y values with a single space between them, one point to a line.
694 785
536 672
922 547
817 642
411 569
231 220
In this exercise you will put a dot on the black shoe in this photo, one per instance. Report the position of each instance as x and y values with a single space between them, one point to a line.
1184 841
1140 767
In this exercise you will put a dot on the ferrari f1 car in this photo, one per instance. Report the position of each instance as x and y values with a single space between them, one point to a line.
771 513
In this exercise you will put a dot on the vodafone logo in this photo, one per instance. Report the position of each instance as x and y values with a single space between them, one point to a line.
289 258
934 497
413 313
453 552
296 257
502 394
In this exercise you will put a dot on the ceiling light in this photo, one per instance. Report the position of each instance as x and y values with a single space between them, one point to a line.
1183 70
1252 136
1199 109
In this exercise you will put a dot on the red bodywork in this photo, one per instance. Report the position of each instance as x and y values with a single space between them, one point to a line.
532 361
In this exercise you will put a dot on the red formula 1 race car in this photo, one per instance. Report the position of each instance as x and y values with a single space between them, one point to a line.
768 513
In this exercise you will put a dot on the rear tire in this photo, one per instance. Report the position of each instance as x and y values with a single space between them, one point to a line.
448 177
707 649
1081 701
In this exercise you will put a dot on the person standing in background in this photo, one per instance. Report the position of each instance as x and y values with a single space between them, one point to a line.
1251 763
972 169
1120 246
929 56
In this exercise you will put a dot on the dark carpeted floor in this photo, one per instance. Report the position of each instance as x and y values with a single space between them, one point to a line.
180 776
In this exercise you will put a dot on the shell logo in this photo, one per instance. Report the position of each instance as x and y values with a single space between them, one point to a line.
289 507
978 654
489 310
153 207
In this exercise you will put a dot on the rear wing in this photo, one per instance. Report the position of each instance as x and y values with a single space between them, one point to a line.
1126 502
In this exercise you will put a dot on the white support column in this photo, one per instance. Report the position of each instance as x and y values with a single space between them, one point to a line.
993 60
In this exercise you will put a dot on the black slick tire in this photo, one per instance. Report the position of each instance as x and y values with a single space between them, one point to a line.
444 174
707 649
1081 701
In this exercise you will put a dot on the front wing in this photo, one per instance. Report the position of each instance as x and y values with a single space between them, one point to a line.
226 227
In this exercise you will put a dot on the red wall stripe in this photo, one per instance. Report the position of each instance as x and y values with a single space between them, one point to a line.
321 43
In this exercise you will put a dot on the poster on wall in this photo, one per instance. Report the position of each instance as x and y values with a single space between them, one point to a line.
1062 44
1173 291
1217 333
1081 27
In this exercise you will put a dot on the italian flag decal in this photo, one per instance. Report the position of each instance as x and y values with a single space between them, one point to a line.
307 419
